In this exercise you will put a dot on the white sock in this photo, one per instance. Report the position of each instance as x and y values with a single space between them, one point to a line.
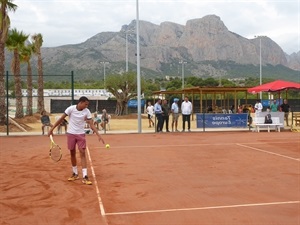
84 172
74 168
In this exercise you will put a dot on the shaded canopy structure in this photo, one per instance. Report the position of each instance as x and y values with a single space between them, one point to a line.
275 86
221 93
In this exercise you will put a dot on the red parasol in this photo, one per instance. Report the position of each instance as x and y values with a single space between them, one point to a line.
277 85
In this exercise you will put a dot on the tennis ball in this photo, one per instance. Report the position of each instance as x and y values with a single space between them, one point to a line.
107 146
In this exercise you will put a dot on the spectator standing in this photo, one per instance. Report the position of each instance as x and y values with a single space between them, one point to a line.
258 106
150 113
232 109
240 109
285 107
175 114
158 113
251 109
166 113
274 106
186 110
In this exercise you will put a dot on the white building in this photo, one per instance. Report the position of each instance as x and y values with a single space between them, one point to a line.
68 92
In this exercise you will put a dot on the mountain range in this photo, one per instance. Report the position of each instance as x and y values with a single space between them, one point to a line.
205 45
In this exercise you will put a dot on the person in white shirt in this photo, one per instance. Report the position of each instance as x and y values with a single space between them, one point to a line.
186 110
79 115
258 106
175 114
150 112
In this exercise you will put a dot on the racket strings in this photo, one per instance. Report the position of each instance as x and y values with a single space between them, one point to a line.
55 153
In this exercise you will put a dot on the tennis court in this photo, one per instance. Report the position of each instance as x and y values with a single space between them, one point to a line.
212 178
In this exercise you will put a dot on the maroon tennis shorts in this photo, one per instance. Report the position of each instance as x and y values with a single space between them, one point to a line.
74 139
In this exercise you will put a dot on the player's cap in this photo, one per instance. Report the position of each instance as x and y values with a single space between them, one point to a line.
176 99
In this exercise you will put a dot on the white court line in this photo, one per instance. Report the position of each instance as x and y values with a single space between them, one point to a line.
102 211
271 153
183 145
155 146
203 208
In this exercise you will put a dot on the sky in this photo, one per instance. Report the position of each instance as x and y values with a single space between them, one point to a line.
63 22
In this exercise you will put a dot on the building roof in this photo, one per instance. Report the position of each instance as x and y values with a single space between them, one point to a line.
204 90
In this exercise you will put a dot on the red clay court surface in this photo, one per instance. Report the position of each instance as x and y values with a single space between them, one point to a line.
212 178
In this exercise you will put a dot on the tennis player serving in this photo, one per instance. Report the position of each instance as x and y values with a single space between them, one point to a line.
78 115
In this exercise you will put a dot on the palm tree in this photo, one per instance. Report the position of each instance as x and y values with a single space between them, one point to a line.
5 6
25 56
37 43
15 43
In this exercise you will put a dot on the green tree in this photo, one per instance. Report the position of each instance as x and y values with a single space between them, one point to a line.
124 88
37 44
25 56
211 82
15 43
174 84
5 6
227 83
149 88
195 81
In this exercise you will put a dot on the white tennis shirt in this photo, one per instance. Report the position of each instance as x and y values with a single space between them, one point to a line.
150 110
186 108
258 107
77 119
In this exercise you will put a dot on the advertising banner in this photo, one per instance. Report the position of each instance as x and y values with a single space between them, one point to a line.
133 103
218 120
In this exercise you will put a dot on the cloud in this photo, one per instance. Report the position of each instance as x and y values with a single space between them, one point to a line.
73 21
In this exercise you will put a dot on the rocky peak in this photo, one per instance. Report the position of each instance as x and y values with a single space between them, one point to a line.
294 61
202 39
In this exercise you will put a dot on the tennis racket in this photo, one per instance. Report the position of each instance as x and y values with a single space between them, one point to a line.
55 151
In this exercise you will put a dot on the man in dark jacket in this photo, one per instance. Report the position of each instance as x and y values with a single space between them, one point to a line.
166 114
285 107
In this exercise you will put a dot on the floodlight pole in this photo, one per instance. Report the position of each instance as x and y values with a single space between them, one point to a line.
138 69
126 39
260 68
182 73
104 73
126 51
